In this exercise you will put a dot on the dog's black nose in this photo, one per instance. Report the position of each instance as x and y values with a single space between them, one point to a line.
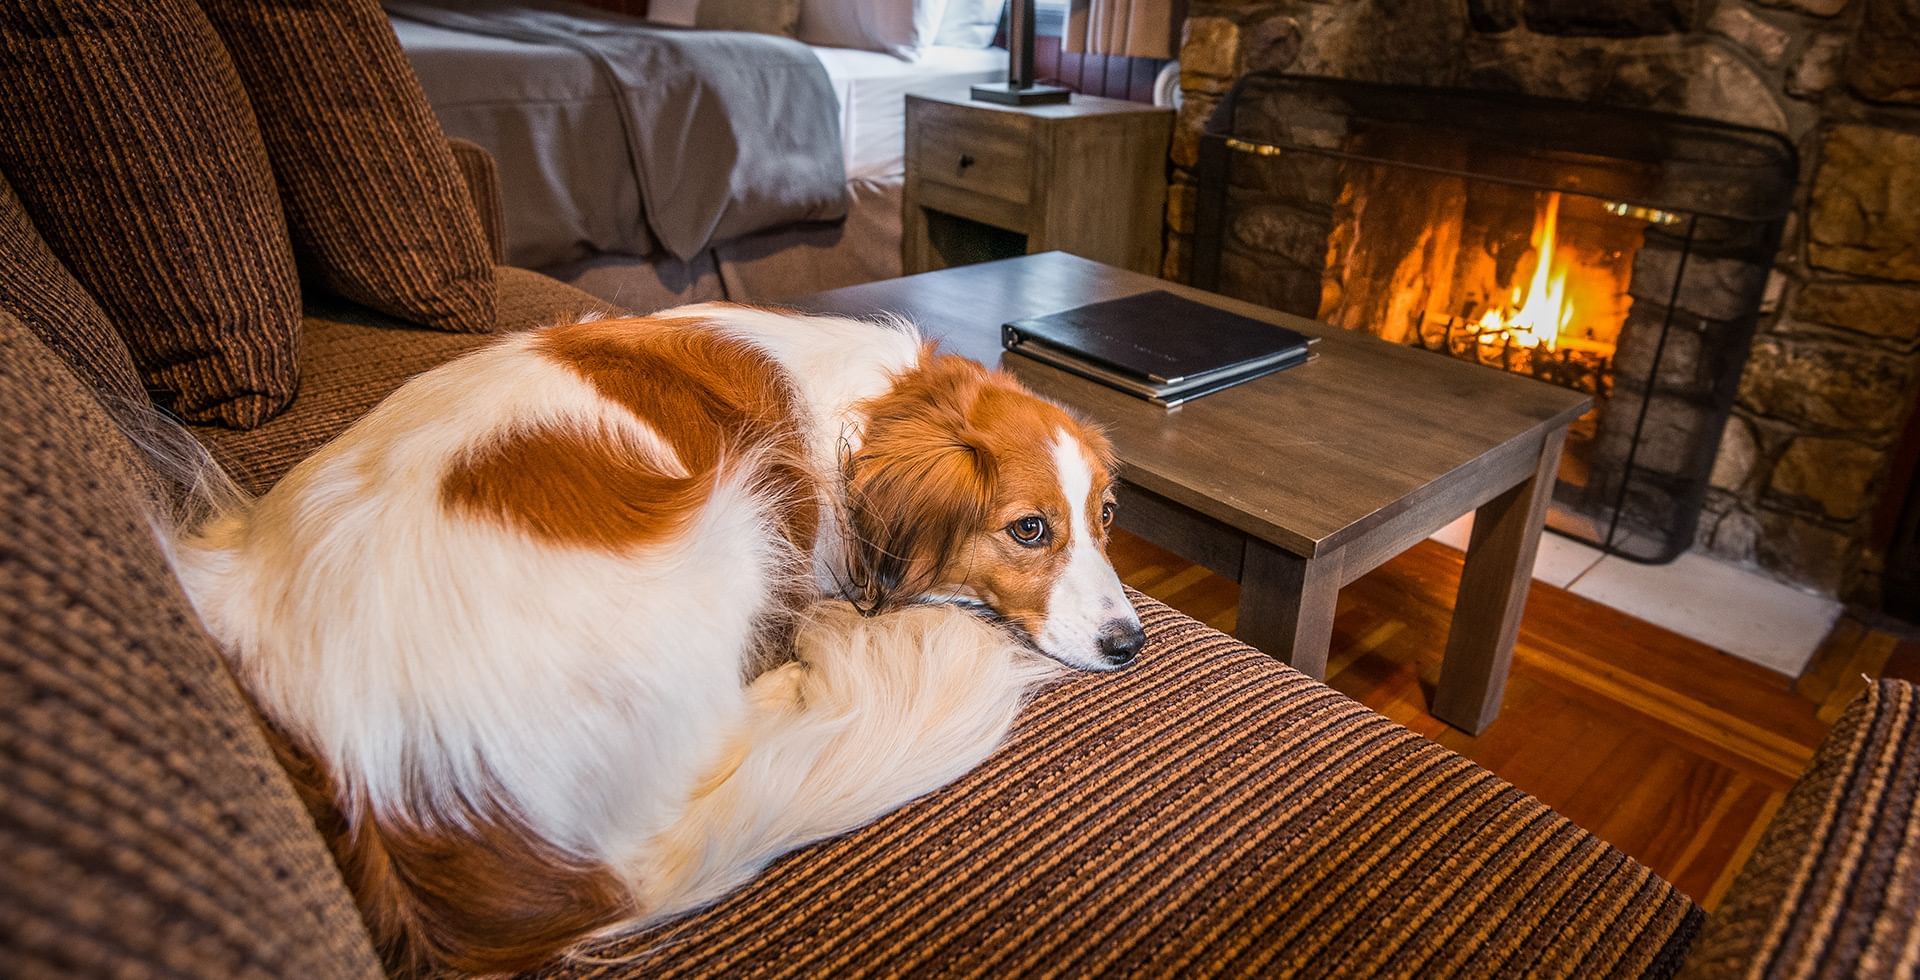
1120 642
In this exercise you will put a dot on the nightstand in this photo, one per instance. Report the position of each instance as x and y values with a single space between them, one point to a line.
988 181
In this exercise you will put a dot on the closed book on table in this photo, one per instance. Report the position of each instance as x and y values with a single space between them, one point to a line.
1158 346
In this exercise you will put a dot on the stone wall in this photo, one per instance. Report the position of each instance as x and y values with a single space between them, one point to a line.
1832 375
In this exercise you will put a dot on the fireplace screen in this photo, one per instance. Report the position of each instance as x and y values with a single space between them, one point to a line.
1621 253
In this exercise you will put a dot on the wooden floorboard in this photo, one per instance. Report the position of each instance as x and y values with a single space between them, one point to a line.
1669 749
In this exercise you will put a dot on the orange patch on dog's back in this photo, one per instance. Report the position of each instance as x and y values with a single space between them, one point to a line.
576 489
713 399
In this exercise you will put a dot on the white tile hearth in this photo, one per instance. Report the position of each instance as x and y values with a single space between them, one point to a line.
1724 606
1746 614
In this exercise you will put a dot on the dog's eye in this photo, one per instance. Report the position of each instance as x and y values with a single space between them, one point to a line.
1106 514
1029 530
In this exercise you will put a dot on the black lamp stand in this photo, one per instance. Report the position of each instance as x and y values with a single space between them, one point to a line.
1019 88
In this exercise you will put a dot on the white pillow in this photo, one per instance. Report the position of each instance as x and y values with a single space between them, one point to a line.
897 27
968 23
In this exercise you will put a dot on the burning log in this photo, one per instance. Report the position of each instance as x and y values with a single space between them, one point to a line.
1581 366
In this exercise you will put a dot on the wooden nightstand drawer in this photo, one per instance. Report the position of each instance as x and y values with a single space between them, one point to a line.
964 148
988 181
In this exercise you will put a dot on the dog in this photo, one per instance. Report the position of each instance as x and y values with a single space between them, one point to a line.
577 632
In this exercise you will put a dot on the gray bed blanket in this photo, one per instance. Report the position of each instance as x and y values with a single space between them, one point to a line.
726 133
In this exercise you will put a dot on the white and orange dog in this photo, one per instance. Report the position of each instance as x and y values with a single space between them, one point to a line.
579 631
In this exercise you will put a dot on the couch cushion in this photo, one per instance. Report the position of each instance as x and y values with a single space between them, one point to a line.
146 828
376 203
126 133
354 358
38 289
1833 889
1208 813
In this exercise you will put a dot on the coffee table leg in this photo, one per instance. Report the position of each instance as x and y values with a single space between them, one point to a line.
1493 593
1286 605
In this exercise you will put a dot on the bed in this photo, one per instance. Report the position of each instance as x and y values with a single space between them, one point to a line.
550 115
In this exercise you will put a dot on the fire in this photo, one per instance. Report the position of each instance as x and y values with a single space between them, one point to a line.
1539 310
1510 277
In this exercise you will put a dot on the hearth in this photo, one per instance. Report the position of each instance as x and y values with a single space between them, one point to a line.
1620 252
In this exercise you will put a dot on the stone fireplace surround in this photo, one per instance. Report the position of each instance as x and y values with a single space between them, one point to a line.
1830 382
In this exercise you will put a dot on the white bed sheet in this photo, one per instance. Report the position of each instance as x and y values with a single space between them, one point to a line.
872 88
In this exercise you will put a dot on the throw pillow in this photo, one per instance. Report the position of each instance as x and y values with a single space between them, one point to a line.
629 8
373 196
780 17
678 13
128 138
38 290
896 27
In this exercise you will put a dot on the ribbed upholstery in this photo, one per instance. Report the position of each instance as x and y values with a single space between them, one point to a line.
1833 890
1207 813
36 288
145 827
374 199
354 359
482 175
129 139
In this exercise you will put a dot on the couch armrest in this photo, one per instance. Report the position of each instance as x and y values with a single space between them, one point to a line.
1833 890
483 184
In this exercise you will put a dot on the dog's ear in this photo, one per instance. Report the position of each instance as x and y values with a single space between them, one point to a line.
921 483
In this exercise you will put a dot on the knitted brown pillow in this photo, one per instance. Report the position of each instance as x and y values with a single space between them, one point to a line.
37 289
128 138
373 196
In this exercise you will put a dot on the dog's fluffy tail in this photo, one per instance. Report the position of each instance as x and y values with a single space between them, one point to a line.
197 510
196 488
876 712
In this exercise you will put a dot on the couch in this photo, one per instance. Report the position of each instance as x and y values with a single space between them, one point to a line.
1209 812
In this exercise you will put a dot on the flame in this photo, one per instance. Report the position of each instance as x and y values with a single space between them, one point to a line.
1538 311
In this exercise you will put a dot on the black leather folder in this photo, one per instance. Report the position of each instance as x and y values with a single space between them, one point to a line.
1158 346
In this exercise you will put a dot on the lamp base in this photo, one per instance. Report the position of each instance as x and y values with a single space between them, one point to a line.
1006 94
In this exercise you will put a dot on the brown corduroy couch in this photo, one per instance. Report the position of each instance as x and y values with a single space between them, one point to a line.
1210 812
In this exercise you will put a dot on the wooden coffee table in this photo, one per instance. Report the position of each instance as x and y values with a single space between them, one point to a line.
1301 482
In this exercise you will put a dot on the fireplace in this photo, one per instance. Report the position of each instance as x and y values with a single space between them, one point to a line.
1619 252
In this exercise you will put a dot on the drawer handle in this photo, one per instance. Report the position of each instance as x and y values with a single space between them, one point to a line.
966 160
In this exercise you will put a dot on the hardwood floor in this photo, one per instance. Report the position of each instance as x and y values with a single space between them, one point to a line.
1853 653
1669 749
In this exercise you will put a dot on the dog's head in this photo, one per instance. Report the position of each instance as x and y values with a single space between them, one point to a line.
967 488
